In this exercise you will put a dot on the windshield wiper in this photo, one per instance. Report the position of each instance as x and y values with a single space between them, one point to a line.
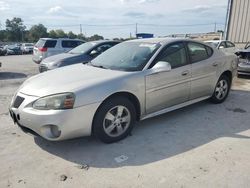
98 66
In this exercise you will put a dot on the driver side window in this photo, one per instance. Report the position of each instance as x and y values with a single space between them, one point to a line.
174 54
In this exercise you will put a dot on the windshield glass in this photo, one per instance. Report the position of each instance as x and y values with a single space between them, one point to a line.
213 44
126 56
83 48
28 44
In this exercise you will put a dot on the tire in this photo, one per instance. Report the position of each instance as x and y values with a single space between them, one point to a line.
221 90
114 120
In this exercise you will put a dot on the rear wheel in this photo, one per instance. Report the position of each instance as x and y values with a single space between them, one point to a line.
114 120
221 90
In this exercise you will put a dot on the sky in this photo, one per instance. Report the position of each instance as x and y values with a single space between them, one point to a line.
118 18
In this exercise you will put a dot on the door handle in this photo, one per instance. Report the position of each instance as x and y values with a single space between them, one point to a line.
215 64
184 73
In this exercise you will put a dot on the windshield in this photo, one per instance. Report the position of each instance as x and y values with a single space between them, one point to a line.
83 48
213 44
126 56
28 44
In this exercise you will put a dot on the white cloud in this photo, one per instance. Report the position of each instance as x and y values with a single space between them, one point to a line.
4 6
55 9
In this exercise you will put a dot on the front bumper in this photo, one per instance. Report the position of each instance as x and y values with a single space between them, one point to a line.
53 124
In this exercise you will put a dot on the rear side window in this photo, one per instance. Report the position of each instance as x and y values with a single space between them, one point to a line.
222 45
50 44
230 45
70 43
40 43
198 52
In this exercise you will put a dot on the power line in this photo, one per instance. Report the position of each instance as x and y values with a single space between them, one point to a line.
132 24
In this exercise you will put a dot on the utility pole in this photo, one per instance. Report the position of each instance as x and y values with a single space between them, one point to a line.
136 29
80 28
215 27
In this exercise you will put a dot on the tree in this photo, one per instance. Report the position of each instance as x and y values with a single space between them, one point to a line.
95 37
3 35
52 34
60 33
15 29
82 37
71 35
37 31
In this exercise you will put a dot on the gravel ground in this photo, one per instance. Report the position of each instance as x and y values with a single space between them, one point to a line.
203 145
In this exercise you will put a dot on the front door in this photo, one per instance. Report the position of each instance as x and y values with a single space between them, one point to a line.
165 89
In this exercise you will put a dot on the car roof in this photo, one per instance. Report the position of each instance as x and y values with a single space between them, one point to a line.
60 39
164 40
104 41
217 41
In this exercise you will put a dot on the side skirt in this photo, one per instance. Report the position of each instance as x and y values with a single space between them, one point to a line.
169 109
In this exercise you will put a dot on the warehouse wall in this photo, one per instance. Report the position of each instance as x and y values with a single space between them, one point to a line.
238 24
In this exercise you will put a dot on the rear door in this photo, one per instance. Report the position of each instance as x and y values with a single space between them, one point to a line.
204 70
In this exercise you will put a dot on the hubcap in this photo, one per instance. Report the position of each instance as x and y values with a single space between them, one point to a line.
221 89
116 121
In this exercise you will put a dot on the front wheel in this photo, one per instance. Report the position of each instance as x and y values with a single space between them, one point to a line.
114 120
221 90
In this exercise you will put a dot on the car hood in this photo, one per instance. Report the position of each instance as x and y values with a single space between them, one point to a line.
68 79
62 57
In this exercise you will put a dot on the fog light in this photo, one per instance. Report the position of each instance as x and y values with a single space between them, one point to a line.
50 131
55 131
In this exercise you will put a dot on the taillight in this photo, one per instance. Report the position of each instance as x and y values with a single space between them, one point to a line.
43 49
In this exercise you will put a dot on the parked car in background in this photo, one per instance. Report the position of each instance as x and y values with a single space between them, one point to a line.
223 45
3 50
27 48
131 81
46 47
80 54
13 49
244 60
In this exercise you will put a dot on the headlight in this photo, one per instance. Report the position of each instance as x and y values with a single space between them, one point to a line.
55 102
54 64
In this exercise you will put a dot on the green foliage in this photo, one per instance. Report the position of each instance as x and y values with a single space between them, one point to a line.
95 37
15 29
36 32
16 32
71 35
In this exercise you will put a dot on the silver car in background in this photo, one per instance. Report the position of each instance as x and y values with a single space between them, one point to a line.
46 47
27 48
223 45
131 81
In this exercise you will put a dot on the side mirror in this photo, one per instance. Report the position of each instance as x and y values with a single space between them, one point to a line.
162 66
94 53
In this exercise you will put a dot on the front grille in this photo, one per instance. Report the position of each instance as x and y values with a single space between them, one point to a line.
42 68
18 101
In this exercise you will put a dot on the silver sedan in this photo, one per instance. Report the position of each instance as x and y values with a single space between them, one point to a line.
132 81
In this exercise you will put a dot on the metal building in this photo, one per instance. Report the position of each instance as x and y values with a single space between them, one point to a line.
237 27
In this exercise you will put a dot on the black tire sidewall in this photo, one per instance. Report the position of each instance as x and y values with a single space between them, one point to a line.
98 129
